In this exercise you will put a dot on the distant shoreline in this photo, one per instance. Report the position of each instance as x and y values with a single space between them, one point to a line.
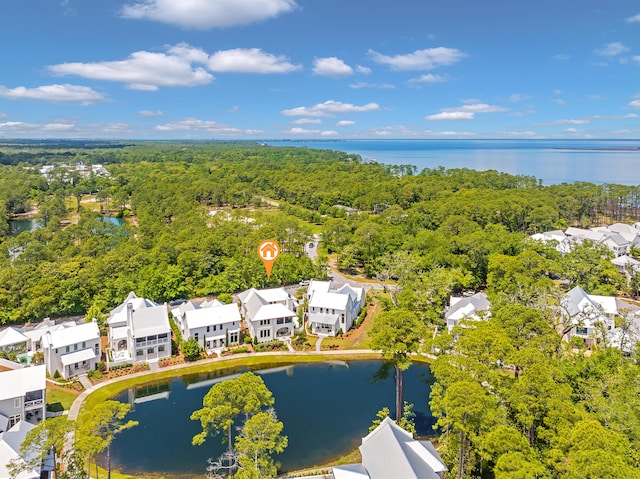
637 148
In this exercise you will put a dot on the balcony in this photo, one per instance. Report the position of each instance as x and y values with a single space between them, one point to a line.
35 403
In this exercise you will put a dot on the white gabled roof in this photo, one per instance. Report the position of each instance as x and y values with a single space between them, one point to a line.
330 300
72 335
18 382
10 442
273 311
11 336
150 321
203 317
78 356
119 314
389 452
318 287
465 307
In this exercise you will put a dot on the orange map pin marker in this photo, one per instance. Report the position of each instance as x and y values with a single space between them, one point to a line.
268 251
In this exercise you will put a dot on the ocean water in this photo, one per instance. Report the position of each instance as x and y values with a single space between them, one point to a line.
552 161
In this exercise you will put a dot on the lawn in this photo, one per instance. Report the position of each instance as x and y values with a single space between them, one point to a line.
59 398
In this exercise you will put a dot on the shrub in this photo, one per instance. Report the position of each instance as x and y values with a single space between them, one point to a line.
56 375
247 340
191 350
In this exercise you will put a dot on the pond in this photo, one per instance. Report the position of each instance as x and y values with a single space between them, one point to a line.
19 226
326 409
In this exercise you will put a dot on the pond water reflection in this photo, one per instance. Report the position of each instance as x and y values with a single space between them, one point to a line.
326 409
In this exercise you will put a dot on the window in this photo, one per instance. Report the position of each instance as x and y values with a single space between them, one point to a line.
97 349
581 331
139 352
151 350
17 402
196 336
161 348
280 321
67 349
84 344
265 322
265 333
233 337
75 347
207 329
162 337
76 366
13 420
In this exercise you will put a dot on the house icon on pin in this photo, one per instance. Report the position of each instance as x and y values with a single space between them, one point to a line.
268 250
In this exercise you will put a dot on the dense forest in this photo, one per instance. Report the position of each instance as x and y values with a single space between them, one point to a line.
511 400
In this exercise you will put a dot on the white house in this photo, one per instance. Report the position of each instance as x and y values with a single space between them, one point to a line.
214 327
72 351
22 396
10 442
12 340
627 265
390 452
474 307
269 313
333 310
139 331
590 316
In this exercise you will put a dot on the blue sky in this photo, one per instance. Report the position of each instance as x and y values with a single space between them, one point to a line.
330 69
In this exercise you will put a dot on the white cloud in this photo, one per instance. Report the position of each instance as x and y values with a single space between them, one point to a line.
331 67
145 70
206 14
635 104
451 115
329 109
427 59
559 101
383 86
56 93
150 113
633 19
561 57
516 98
3 115
307 121
636 59
346 123
464 112
249 60
449 134
569 121
612 49
304 131
363 70
206 126
430 78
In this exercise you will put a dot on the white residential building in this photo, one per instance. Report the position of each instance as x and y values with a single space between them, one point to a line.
590 316
269 313
214 327
22 396
333 310
474 308
10 442
35 332
139 331
12 340
390 452
72 351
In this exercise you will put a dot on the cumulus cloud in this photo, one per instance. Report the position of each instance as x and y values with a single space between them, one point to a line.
383 86
451 115
249 60
427 59
207 14
633 19
304 131
635 104
329 109
150 113
331 67
346 123
145 70
363 70
430 78
56 93
464 112
307 121
206 126
612 49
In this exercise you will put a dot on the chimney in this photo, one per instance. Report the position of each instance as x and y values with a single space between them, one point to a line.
129 314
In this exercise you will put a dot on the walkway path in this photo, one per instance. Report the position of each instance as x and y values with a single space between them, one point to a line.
84 380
